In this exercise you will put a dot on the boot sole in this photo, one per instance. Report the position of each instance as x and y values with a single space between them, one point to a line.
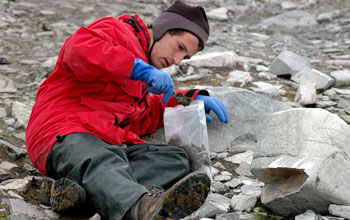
66 195
185 197
45 191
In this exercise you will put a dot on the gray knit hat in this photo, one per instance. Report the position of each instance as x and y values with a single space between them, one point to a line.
182 16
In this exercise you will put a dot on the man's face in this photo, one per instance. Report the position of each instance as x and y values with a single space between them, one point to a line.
172 49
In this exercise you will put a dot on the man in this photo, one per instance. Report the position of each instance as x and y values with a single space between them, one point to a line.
89 115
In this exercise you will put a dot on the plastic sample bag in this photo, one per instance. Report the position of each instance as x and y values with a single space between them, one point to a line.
186 127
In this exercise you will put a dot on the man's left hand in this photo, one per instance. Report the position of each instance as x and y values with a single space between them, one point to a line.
211 103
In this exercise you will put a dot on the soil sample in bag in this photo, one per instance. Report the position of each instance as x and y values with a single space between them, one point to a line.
199 158
186 127
182 100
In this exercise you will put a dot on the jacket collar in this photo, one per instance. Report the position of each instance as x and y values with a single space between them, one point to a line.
140 30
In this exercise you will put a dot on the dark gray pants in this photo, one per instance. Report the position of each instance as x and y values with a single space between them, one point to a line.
115 177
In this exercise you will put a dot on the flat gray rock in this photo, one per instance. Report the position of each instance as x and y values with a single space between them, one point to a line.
290 20
245 109
289 63
299 157
340 210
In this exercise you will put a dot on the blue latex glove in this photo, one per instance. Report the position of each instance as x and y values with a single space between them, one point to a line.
211 103
158 81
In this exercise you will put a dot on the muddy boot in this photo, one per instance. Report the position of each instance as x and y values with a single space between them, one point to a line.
45 191
182 199
66 195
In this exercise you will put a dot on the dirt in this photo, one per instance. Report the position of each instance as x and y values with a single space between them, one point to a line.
186 198
182 100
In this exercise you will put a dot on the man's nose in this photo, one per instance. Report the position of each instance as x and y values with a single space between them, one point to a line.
178 58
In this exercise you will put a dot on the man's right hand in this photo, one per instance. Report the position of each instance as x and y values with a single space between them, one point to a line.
158 81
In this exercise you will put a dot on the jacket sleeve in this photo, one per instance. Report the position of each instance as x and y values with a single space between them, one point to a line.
96 52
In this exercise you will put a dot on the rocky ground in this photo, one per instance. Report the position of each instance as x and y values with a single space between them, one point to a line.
254 32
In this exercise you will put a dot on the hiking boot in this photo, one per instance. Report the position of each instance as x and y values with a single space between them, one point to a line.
66 195
182 199
45 191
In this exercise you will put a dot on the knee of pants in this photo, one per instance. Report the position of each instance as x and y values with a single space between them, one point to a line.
78 151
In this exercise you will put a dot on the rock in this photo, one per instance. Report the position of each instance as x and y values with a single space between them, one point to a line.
95 217
244 169
342 91
19 207
268 89
338 62
5 69
261 68
344 102
222 59
11 150
7 85
245 110
308 215
47 12
49 63
228 216
28 62
14 195
295 152
236 216
323 81
290 20
222 178
4 60
225 173
217 187
241 157
222 155
325 104
219 14
191 77
306 94
286 5
346 118
241 60
213 155
288 63
172 70
215 204
5 168
233 183
328 16
21 112
340 210
3 113
342 77
330 92
241 77
267 76
252 189
18 217
16 184
219 165
330 218
243 203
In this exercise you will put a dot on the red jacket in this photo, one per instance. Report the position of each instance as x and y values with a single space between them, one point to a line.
90 90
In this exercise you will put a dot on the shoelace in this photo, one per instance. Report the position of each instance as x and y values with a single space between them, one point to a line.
156 193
